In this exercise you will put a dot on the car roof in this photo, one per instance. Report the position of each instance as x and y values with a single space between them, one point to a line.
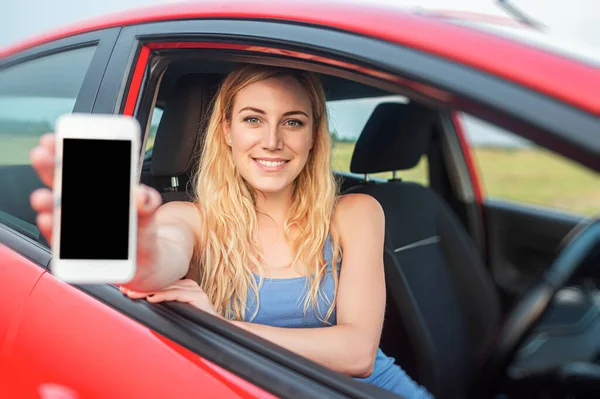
556 74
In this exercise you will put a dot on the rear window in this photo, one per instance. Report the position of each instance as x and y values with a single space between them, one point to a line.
347 118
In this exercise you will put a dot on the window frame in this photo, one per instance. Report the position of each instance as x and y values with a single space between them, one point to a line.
474 91
104 41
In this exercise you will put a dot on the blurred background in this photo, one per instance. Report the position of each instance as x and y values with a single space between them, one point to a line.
511 168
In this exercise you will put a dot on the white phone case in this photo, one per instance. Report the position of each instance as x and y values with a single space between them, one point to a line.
96 126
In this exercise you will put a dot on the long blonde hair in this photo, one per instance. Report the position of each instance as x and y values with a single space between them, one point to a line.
229 250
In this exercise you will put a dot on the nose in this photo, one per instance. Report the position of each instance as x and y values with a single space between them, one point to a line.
272 139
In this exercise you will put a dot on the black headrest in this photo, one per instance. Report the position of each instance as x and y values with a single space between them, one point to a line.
182 124
394 138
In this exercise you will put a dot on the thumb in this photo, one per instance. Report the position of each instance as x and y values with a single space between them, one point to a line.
147 201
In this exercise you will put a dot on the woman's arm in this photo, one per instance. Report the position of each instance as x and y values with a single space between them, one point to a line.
166 242
350 346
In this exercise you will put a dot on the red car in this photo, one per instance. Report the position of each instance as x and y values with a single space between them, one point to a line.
487 294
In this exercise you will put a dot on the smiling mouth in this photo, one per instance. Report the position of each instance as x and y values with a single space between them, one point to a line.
270 164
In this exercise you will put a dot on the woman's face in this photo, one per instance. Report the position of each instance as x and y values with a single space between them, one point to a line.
271 133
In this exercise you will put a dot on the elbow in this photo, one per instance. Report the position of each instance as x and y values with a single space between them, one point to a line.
364 365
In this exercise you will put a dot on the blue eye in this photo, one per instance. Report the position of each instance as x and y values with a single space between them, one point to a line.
251 119
294 123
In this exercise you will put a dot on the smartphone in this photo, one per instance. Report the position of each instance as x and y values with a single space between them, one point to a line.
95 217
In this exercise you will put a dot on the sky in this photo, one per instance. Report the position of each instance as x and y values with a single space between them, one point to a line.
20 19
578 20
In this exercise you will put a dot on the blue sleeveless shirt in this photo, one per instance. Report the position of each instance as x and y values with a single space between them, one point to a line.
282 305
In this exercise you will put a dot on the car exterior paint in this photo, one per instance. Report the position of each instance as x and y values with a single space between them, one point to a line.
552 74
126 359
45 324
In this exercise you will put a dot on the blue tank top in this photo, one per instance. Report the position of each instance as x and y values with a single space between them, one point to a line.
282 305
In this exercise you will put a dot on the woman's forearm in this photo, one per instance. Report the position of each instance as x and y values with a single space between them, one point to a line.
341 347
169 263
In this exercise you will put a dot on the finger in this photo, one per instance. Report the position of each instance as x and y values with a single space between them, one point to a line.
175 294
48 141
44 223
133 294
41 200
137 294
42 161
147 200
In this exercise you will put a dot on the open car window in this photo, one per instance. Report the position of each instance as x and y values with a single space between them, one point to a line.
347 118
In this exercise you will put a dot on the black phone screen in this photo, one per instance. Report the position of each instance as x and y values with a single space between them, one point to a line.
95 199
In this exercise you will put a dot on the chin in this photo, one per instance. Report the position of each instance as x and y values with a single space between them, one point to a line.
270 187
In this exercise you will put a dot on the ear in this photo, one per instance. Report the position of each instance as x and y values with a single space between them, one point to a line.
227 132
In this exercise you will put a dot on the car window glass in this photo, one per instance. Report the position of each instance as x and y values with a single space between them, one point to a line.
33 94
156 117
347 118
515 169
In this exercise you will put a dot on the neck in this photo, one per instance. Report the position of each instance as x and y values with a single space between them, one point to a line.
275 205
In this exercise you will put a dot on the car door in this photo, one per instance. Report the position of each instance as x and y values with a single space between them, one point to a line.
91 341
532 198
36 86
54 338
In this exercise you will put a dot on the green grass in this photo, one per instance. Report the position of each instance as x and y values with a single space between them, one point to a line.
532 176
14 150
539 177
342 155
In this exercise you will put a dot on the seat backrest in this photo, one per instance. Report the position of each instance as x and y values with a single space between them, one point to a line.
180 133
442 305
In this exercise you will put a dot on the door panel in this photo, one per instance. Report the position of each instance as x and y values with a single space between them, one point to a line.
71 340
533 198
523 240
18 276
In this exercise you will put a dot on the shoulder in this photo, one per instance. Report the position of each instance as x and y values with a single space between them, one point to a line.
358 212
358 205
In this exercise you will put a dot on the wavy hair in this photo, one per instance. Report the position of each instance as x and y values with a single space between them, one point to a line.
229 250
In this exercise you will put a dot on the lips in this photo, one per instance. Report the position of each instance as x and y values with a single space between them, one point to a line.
271 164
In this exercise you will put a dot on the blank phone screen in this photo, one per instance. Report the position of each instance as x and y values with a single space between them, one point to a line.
95 199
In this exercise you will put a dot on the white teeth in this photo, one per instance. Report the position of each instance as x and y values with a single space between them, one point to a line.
270 163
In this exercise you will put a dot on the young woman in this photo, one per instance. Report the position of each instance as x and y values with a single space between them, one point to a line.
268 244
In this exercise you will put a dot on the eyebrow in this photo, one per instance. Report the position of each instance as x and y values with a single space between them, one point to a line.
260 111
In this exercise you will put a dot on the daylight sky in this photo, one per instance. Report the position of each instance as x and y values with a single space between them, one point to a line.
20 19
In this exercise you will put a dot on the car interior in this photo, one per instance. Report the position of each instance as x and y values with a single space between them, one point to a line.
437 281
444 309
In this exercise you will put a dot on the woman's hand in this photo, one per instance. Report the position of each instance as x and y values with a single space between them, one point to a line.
165 233
186 291
147 201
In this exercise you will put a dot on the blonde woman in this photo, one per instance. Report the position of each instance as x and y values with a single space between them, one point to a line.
268 244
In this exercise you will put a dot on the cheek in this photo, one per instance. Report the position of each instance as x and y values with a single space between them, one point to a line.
243 140
302 145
